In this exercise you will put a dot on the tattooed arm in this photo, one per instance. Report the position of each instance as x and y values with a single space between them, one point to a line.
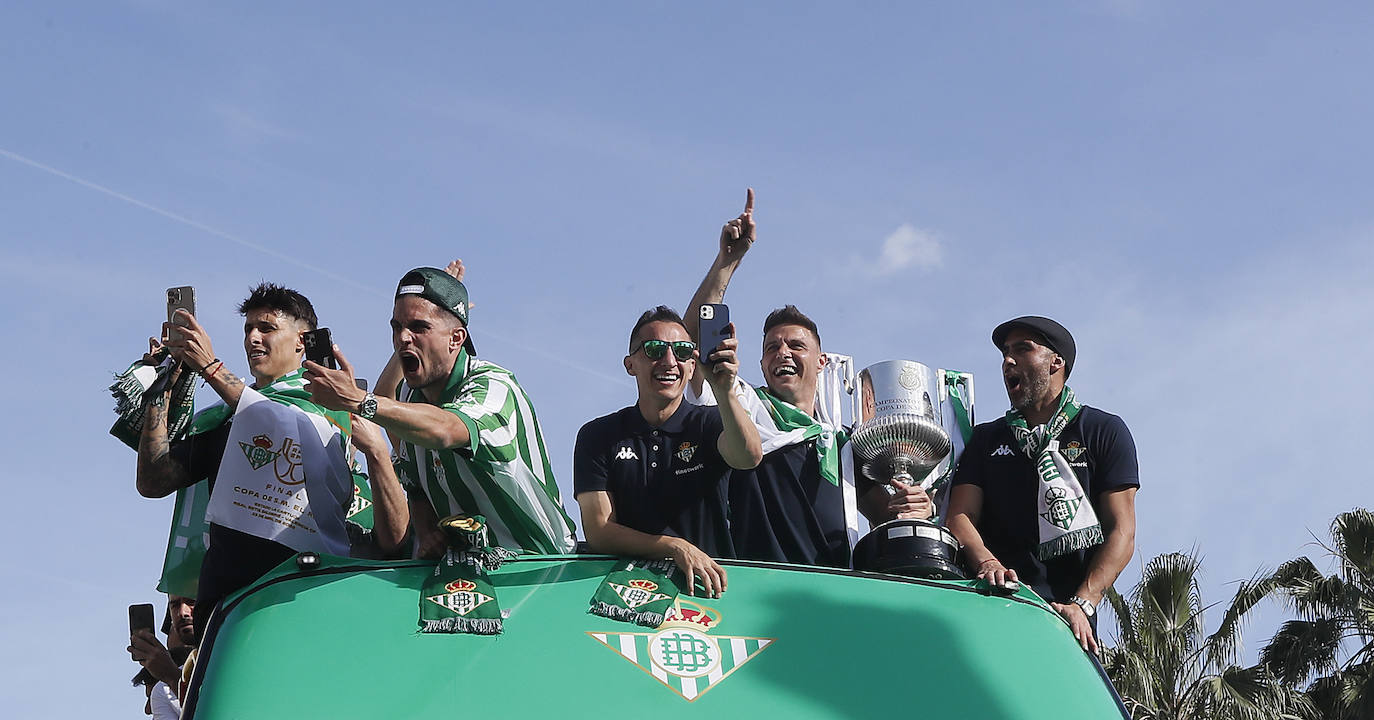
159 474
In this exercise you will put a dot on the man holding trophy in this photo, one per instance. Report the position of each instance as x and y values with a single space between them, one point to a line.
792 507
1045 496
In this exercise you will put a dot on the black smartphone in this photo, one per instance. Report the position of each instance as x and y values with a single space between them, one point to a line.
714 318
361 383
140 617
180 298
319 348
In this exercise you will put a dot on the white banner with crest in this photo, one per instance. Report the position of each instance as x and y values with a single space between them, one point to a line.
277 456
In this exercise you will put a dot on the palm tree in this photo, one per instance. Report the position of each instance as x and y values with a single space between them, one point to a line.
1335 619
1165 669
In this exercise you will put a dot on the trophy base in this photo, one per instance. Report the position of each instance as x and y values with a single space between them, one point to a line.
911 548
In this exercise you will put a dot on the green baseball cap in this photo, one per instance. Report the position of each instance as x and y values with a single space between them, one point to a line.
440 288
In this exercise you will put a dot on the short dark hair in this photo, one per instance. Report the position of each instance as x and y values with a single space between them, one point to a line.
662 313
790 315
282 299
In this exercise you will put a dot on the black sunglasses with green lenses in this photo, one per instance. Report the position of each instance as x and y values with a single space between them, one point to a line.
655 349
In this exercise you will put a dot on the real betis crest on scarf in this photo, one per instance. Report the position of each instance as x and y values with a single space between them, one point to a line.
1066 518
637 591
458 597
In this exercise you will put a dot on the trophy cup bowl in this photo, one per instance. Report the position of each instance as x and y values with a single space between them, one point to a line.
902 446
899 433
899 437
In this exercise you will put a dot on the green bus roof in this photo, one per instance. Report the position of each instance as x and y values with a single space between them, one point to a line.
341 641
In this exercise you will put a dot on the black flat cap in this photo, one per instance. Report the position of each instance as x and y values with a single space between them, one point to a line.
1056 337
443 290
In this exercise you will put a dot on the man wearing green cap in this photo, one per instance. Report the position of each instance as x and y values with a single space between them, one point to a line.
469 441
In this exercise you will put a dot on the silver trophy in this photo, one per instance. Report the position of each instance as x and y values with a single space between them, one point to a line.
900 436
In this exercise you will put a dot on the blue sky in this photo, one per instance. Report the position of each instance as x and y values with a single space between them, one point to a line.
1186 186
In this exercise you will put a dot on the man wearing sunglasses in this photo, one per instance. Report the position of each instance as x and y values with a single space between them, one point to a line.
792 507
651 478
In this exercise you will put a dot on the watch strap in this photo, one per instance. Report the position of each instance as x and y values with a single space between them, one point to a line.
1088 608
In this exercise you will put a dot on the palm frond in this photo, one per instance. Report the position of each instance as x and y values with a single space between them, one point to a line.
1325 695
1347 695
1353 534
1131 676
1243 694
1296 574
1311 594
1223 645
1168 597
1357 691
1126 635
1301 648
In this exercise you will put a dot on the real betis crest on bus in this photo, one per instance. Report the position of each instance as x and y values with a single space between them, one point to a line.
682 653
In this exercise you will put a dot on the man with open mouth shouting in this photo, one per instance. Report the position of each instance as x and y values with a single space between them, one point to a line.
469 441
651 478
1045 496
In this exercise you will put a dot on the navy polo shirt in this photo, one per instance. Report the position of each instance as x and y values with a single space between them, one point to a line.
667 480
784 511
1101 453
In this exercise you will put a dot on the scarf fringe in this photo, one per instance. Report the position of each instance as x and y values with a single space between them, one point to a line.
475 626
129 389
624 614
1080 539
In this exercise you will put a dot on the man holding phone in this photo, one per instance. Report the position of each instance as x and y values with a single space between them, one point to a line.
162 664
280 482
792 507
469 438
651 478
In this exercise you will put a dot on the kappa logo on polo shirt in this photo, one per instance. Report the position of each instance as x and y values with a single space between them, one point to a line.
626 453
1002 450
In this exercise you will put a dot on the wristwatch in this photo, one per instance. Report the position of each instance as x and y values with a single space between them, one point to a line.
367 409
1089 609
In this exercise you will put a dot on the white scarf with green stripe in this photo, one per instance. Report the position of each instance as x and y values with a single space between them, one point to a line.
781 424
1066 518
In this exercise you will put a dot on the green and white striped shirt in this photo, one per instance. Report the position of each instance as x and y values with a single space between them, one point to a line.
503 473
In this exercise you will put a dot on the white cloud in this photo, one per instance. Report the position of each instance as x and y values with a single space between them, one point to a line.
907 247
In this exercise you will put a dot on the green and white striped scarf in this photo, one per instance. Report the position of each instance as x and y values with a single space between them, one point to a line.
1066 517
782 424
129 388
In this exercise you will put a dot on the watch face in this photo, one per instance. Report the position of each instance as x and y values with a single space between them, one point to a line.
368 407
